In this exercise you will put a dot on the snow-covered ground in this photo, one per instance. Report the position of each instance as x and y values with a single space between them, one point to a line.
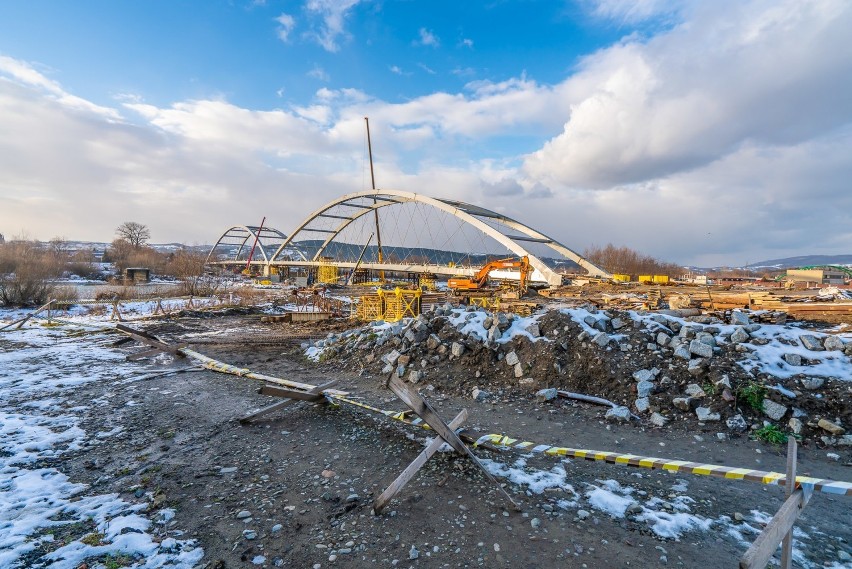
47 518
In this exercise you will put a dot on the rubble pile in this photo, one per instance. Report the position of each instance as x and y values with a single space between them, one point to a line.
726 373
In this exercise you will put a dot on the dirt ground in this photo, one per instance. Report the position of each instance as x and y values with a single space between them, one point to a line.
297 486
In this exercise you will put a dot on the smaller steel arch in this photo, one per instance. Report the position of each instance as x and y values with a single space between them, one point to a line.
243 236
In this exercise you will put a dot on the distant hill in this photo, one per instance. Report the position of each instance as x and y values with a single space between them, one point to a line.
803 261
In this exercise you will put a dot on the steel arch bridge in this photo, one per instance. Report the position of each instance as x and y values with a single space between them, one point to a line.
420 233
237 243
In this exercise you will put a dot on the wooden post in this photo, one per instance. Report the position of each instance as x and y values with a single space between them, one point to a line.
415 465
420 406
316 391
780 527
789 487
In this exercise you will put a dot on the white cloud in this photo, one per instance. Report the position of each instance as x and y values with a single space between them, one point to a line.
395 69
333 15
319 73
425 68
467 42
633 11
286 23
427 37
734 73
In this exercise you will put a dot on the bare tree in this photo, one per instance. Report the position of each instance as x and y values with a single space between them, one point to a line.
136 234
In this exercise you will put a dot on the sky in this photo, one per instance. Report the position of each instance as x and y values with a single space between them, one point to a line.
703 133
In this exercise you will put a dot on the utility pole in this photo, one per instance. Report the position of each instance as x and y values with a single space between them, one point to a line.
375 209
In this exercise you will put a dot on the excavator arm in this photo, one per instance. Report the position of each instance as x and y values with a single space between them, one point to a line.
481 278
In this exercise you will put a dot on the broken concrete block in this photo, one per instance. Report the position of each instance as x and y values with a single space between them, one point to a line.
618 323
697 366
512 359
682 352
663 339
795 425
704 414
658 420
774 410
519 370
494 334
739 336
480 394
706 338
618 414
533 330
433 342
701 349
643 375
793 359
811 343
457 349
642 404
391 357
644 388
683 403
503 321
832 428
415 376
602 339
737 424
546 394
832 343
812 383
487 323
739 318
694 390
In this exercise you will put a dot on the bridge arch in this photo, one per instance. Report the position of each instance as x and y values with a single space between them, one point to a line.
236 242
332 219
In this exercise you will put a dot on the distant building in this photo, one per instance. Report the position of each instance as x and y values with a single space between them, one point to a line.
137 275
815 277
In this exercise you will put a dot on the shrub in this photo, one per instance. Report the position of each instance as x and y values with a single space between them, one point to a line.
26 271
753 394
771 434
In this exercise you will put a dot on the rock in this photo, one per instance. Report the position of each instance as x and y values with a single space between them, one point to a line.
403 360
811 343
738 516
494 334
413 553
535 523
546 394
737 424
433 342
845 441
774 410
618 323
249 534
479 394
694 390
812 382
643 375
457 349
701 349
487 323
642 404
243 515
832 428
533 330
512 359
696 367
519 370
706 338
683 352
832 343
843 556
602 339
227 470
644 388
618 414
415 376
663 339
793 359
739 336
683 403
391 357
795 425
583 514
687 332
705 414
503 321
658 420
739 318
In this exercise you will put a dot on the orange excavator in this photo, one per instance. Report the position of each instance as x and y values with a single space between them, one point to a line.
480 280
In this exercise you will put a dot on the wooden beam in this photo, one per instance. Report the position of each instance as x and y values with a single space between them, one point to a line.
758 555
420 406
277 391
144 354
281 404
789 487
146 338
415 465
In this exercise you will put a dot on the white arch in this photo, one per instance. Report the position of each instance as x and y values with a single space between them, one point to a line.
461 210
244 233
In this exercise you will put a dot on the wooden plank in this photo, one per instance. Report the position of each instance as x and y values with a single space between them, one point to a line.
281 404
146 338
277 391
407 474
787 543
758 555
144 354
420 406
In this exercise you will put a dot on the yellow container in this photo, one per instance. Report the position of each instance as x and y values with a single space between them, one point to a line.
661 279
646 278
621 278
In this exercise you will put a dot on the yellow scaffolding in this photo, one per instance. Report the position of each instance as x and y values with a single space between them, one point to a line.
389 305
326 272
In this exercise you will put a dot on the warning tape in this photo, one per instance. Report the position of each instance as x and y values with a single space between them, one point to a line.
763 477
760 476
497 440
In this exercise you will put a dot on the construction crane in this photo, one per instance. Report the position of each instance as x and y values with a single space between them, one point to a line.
480 280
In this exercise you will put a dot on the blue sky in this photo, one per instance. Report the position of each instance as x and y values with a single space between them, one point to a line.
593 120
